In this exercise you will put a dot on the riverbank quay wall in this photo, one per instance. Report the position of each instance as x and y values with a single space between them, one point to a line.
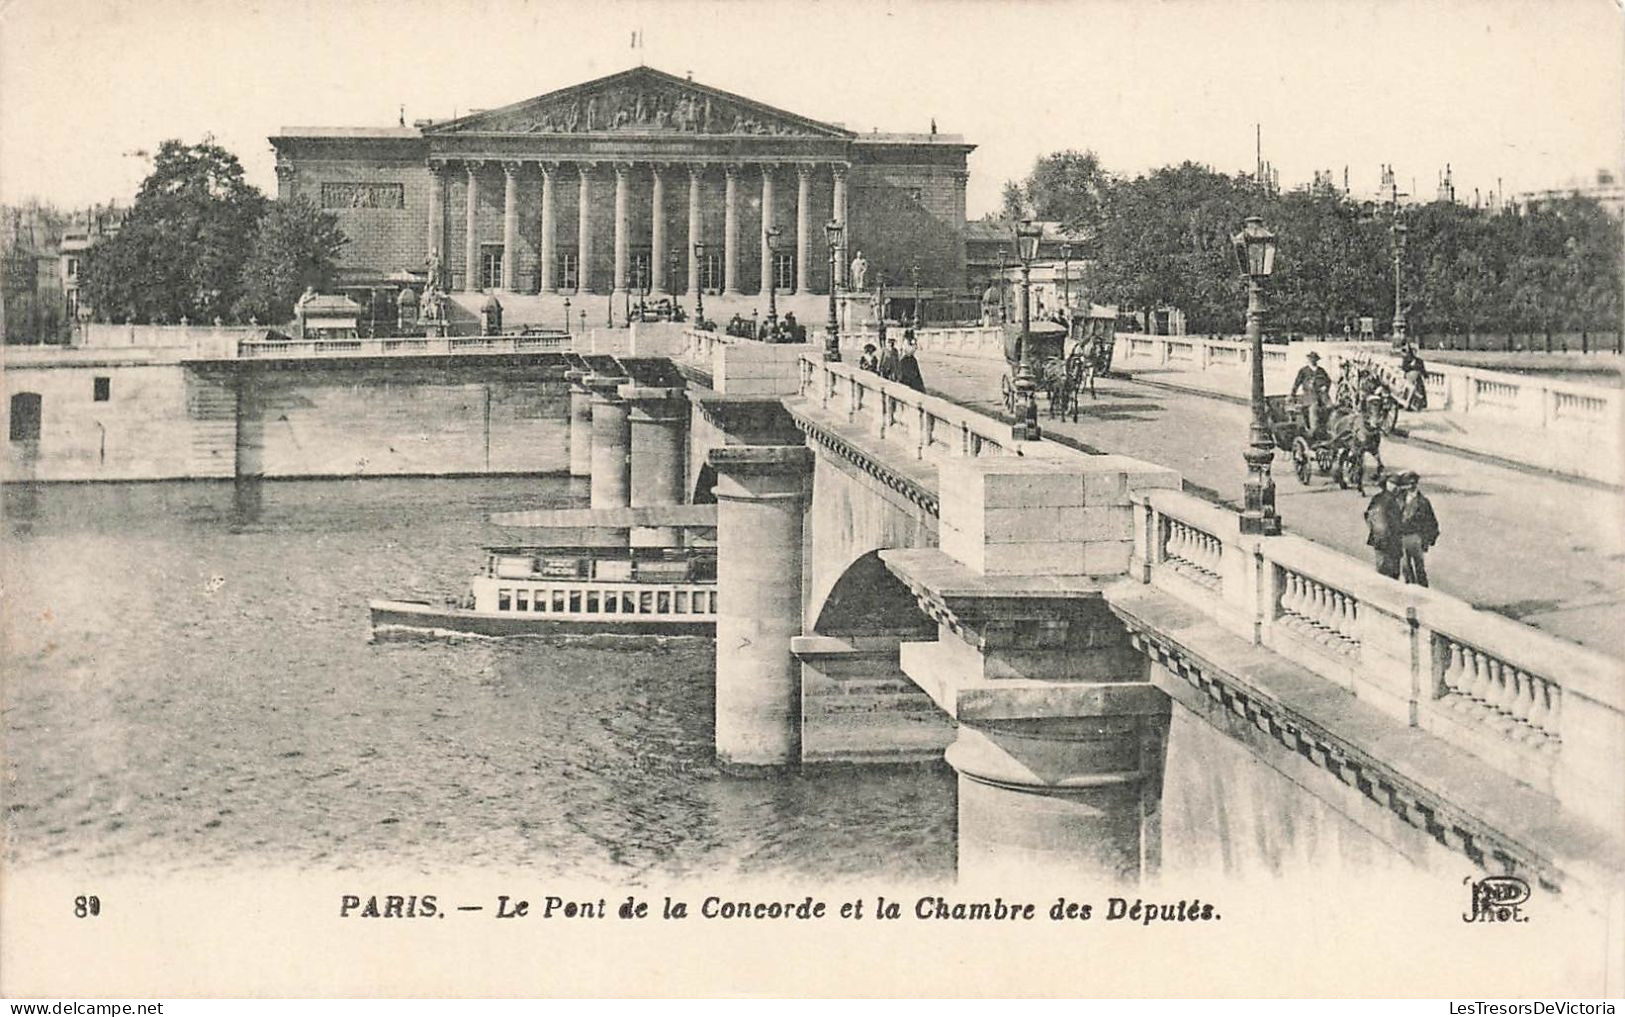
1073 598
144 414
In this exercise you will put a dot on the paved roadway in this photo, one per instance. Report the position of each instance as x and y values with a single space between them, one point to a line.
1546 551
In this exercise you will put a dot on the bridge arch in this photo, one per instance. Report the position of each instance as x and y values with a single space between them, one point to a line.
867 600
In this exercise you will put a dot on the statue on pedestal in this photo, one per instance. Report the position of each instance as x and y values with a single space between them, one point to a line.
860 272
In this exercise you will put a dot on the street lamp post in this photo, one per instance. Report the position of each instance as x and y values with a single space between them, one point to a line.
832 327
699 290
914 277
1255 256
1026 426
1004 308
770 236
1399 282
880 307
566 315
583 314
1066 280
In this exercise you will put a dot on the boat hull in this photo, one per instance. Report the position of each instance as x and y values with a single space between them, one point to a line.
402 614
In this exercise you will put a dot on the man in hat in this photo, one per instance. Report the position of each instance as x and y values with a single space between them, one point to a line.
1382 527
1418 528
1317 386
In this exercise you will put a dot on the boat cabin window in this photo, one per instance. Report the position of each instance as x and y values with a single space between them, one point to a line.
538 601
612 603
592 601
504 600
521 600
629 602
646 602
663 602
680 602
575 601
558 601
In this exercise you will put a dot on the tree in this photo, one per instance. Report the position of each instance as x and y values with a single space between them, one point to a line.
180 252
295 245
1069 188
1013 206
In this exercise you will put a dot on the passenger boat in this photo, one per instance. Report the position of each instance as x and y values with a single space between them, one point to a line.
574 591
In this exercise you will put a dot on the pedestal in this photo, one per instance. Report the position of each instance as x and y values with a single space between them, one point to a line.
580 425
611 448
658 418
761 504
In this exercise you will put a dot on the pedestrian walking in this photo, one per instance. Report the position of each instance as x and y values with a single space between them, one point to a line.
1418 529
908 369
888 360
1382 527
868 361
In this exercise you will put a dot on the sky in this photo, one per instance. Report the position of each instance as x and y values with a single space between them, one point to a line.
1528 91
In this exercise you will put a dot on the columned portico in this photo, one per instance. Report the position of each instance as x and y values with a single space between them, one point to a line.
584 230
730 231
657 228
471 237
696 174
767 224
510 225
549 280
622 253
803 228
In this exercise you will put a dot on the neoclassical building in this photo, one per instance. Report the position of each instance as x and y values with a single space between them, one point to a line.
603 187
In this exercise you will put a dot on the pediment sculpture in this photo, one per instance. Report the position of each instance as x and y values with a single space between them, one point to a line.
642 108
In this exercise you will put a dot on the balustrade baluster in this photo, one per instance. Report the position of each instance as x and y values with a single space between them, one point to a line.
1539 714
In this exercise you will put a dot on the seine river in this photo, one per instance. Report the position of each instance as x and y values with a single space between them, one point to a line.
190 683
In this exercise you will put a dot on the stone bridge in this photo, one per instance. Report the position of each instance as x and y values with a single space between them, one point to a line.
900 578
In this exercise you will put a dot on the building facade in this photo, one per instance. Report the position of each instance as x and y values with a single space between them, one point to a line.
605 187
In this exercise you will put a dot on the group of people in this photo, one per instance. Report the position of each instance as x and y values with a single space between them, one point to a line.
768 330
893 364
1401 528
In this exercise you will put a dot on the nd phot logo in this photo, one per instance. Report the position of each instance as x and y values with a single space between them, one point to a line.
1497 899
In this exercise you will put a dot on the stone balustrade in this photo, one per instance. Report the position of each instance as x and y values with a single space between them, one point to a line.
1536 708
931 428
968 341
264 349
1526 400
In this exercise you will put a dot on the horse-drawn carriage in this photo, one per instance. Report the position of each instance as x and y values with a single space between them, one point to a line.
1338 450
1065 356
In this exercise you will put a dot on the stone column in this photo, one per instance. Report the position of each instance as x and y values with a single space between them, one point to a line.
767 221
584 230
761 502
695 225
548 257
471 242
657 229
803 228
730 232
437 217
839 214
659 424
510 226
622 255
580 424
1078 797
611 447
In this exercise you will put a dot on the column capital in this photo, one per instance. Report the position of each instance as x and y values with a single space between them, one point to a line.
768 168
804 170
284 170
437 165
761 460
473 166
731 169
548 166
658 167
622 168
696 169
511 167
840 169
585 166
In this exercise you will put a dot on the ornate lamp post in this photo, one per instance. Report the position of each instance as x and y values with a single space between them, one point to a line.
699 291
566 315
770 237
671 276
1004 309
1399 282
832 327
1066 280
880 306
1026 427
1255 256
914 278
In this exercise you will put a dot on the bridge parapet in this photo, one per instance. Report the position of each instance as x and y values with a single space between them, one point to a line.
400 346
1538 709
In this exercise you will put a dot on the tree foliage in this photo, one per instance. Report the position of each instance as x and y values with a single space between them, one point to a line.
294 246
180 252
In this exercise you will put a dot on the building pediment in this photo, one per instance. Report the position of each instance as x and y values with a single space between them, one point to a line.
639 101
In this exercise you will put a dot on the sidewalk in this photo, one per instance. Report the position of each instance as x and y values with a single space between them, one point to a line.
1575 454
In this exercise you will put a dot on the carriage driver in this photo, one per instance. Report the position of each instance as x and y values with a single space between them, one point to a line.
1317 387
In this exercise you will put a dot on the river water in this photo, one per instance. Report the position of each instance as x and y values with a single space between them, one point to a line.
190 684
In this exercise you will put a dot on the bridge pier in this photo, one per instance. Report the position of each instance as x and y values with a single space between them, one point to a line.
580 424
761 506
611 449
658 419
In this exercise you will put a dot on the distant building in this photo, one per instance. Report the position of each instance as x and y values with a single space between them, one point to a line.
1604 187
86 230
